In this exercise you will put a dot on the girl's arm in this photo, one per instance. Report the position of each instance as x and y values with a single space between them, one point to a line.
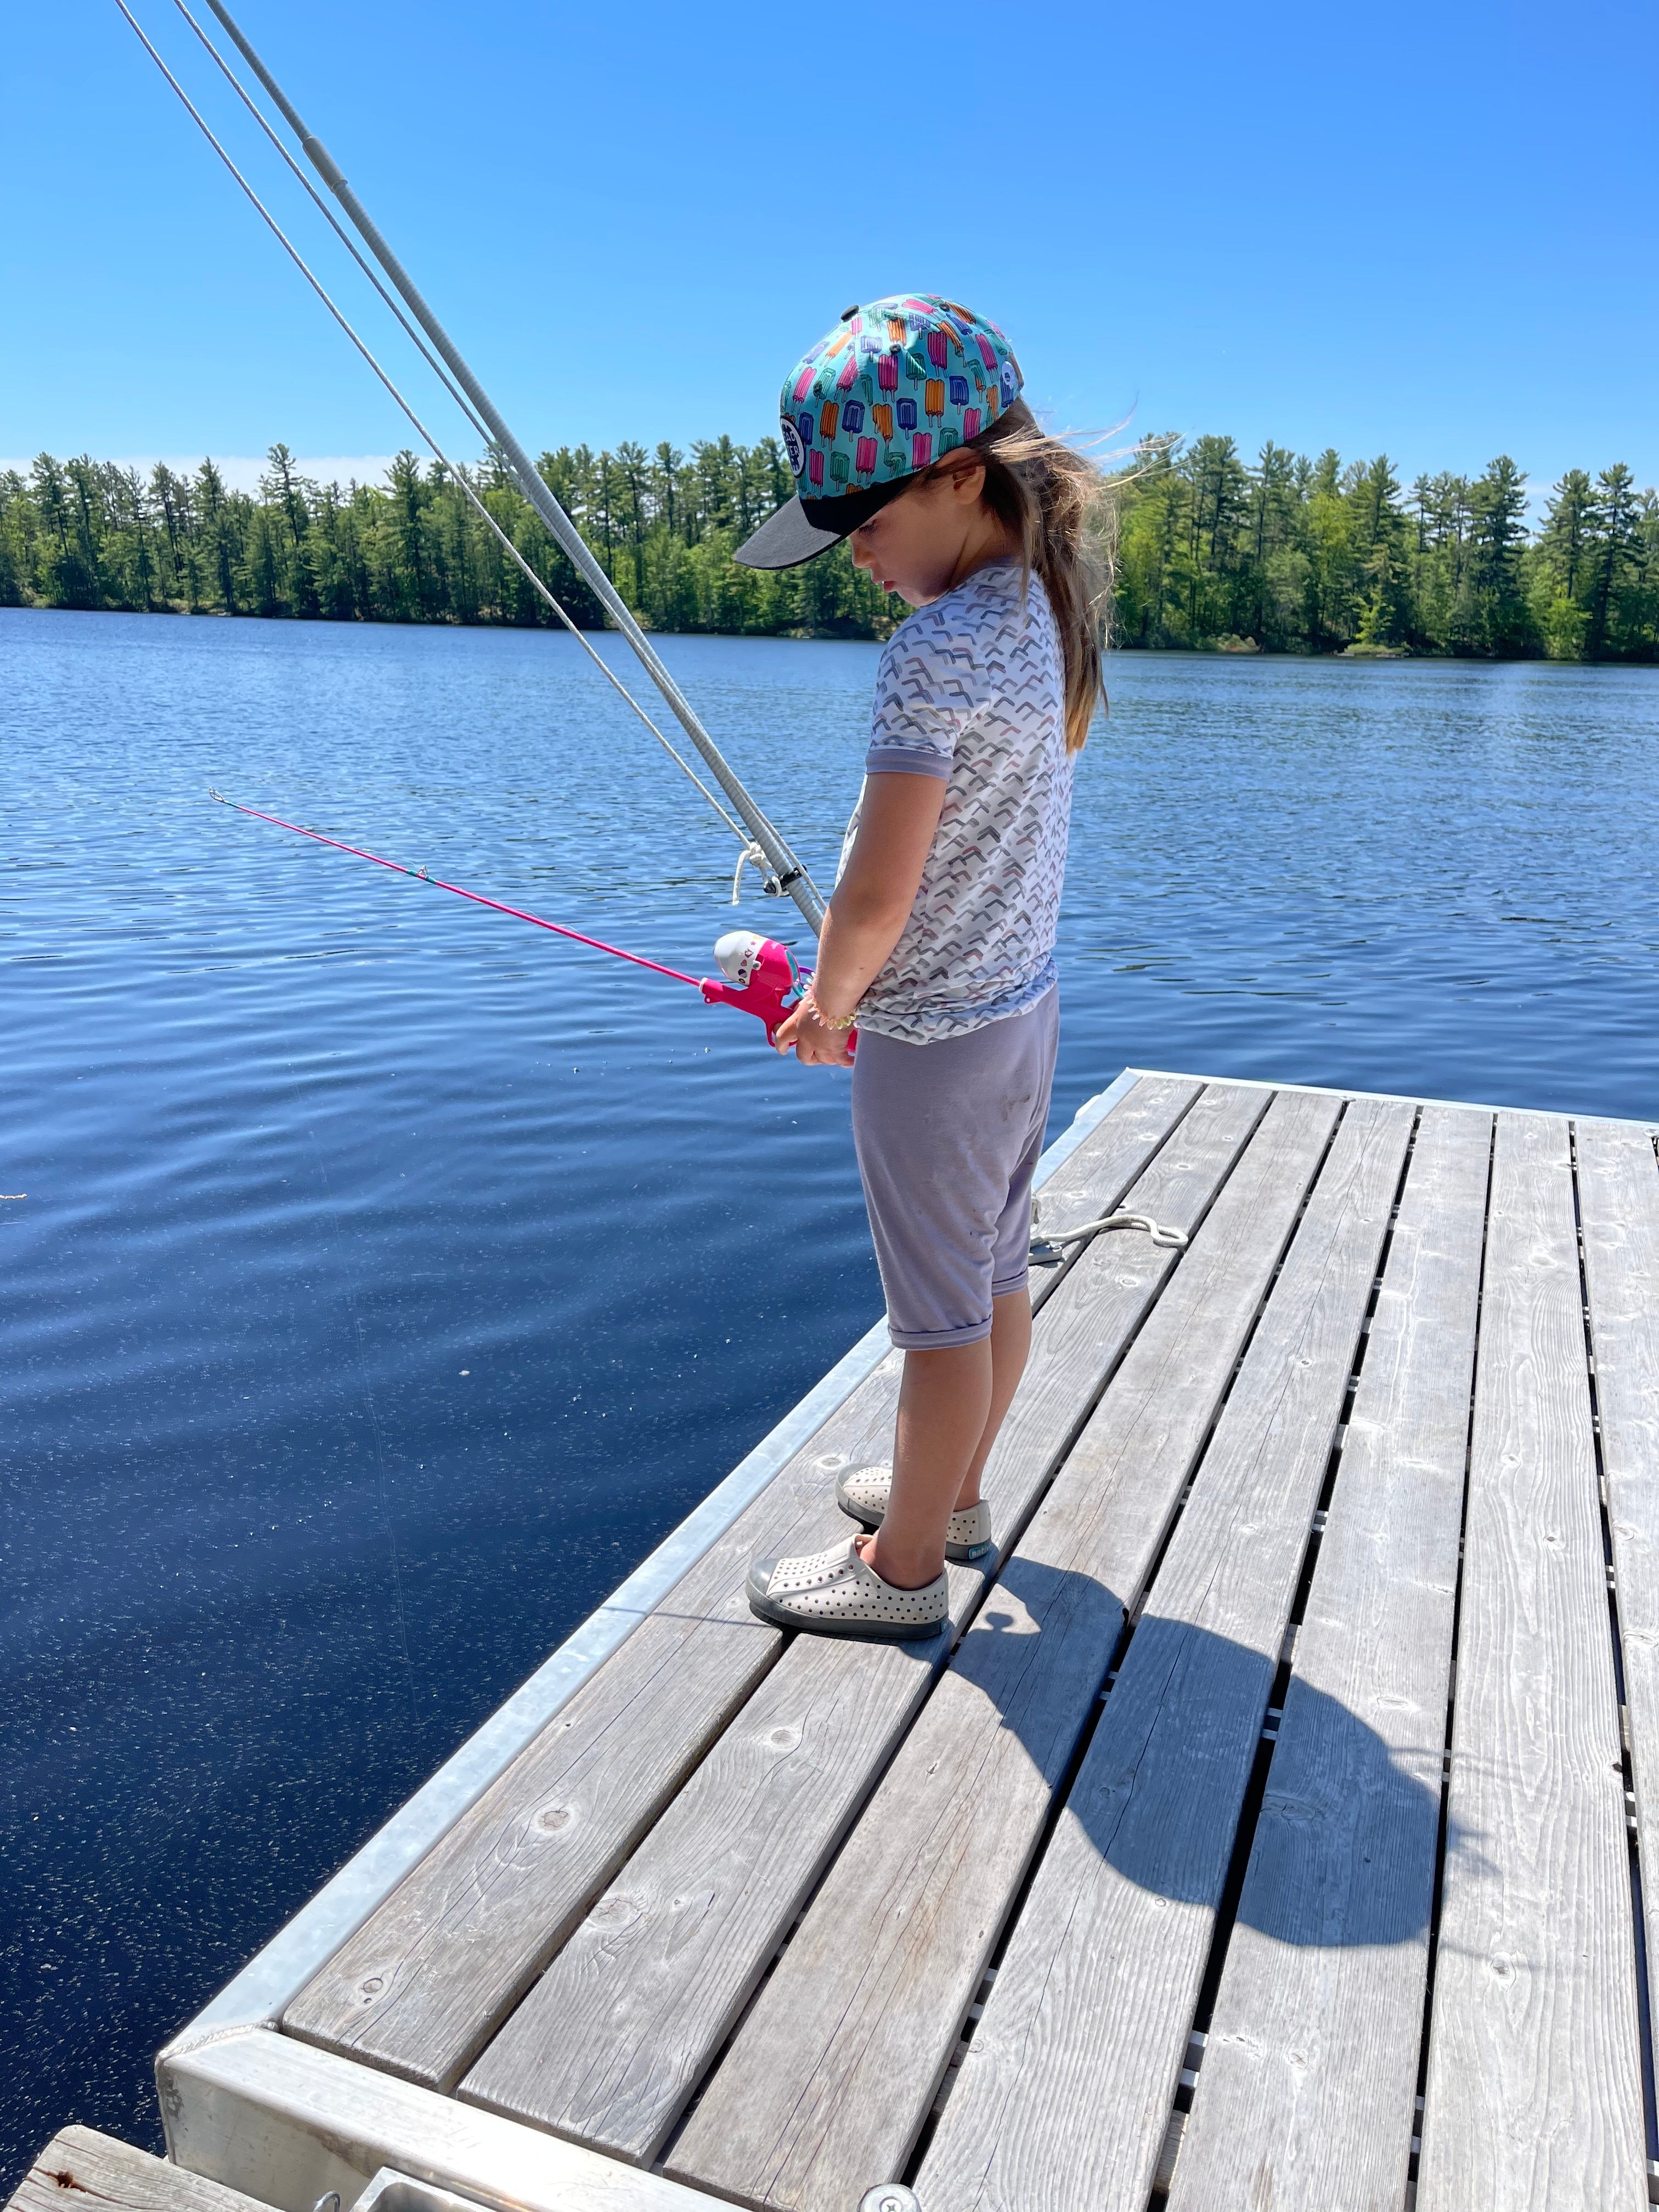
871 904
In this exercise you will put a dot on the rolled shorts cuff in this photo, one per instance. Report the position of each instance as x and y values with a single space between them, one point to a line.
938 1340
1005 1285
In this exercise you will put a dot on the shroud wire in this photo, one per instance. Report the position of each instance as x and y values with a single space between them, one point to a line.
752 851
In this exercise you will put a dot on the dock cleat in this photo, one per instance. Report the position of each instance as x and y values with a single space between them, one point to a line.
861 1494
834 1593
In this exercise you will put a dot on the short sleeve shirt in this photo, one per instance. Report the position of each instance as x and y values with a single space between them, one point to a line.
972 690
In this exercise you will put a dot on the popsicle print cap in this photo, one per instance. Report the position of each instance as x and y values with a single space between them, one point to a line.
895 385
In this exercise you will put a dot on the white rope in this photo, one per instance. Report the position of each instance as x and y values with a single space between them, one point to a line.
426 436
753 856
1048 1251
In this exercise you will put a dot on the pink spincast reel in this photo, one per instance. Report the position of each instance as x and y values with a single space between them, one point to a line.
760 976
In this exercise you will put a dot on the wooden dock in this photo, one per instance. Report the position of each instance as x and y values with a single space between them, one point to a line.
1268 1830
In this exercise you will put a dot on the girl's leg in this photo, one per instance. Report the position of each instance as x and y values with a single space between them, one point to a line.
952 1404
1011 1346
950 1210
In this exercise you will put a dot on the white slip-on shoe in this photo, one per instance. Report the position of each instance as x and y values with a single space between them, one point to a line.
862 1492
834 1593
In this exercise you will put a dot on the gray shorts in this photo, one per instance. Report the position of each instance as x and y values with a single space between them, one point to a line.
948 1137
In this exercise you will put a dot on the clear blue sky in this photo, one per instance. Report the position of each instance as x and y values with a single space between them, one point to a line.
1429 229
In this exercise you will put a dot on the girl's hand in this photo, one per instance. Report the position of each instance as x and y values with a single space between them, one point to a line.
814 1045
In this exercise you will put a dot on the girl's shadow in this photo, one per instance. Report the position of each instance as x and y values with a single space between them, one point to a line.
1345 1846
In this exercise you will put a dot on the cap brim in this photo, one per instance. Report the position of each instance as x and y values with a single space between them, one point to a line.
803 528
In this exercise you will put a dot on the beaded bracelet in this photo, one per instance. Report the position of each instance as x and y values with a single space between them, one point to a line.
809 998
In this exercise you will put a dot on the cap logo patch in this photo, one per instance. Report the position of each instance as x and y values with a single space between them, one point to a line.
793 447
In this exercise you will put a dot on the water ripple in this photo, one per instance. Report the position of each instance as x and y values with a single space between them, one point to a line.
391 1276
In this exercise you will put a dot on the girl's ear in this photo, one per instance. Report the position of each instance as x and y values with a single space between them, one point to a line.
968 480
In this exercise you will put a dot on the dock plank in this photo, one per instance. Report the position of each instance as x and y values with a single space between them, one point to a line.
420 1987
1619 1208
1533 2096
1309 2080
613 2040
1062 2100
831 2077
82 2171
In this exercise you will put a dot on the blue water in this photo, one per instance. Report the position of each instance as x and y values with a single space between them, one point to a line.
391 1276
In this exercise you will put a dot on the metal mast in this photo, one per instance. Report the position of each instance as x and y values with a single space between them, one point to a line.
788 870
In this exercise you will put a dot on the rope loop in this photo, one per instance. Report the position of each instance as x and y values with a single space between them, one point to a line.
1049 1251
753 856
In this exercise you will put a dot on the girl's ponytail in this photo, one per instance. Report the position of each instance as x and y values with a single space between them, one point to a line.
1052 499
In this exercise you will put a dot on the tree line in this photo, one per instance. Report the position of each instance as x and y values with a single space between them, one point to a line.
1282 554
91 534
1289 554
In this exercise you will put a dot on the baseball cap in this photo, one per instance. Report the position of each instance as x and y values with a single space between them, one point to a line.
894 387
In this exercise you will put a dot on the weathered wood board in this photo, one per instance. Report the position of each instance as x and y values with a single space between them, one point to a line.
1309 2082
826 2087
613 2040
424 1984
1064 2098
1619 1209
1533 2096
82 2171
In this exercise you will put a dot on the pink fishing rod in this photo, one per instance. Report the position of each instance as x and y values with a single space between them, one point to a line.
758 974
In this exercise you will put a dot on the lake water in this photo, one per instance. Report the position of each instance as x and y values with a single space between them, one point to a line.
390 1276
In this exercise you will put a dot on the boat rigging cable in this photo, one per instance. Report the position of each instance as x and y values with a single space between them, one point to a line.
762 845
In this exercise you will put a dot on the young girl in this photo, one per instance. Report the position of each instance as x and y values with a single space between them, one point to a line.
939 940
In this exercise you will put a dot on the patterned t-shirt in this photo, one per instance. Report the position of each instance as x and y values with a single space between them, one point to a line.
972 690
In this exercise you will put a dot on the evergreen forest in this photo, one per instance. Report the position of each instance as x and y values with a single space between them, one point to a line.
1210 551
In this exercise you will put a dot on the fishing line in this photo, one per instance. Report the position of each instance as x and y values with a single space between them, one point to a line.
425 876
758 975
752 850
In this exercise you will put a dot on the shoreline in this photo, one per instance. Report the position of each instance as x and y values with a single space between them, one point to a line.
1249 650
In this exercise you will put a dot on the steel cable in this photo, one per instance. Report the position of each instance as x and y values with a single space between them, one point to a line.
752 852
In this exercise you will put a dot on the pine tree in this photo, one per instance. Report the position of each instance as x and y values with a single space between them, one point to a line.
1494 618
1380 539
1563 567
217 528
1614 554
